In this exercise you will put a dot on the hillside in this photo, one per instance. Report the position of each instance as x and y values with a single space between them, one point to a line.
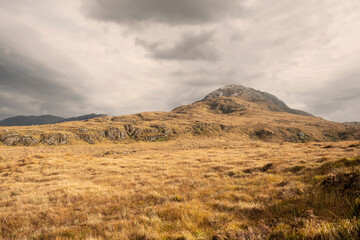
226 167
247 113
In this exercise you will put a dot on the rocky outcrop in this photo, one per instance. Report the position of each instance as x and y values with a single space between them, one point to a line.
55 139
11 138
29 141
162 129
114 134
129 129
133 132
88 137
157 133
15 138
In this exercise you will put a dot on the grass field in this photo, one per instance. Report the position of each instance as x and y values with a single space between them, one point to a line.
188 188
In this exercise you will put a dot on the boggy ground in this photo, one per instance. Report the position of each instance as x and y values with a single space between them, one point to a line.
193 188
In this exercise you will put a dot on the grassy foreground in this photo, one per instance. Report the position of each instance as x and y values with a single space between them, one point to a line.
198 188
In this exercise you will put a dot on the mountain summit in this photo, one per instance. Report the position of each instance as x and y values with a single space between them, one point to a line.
255 96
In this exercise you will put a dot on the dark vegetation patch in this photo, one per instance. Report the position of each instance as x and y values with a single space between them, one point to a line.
333 195
264 168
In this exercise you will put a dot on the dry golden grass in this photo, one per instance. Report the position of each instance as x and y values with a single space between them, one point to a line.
188 188
206 179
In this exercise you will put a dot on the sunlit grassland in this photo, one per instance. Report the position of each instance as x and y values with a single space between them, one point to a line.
193 188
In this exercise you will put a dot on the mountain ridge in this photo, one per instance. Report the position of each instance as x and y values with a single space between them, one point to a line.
43 119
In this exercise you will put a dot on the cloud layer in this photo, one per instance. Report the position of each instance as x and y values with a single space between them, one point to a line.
118 57
169 12
190 47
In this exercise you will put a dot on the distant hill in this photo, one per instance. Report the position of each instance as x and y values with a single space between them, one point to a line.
84 117
43 120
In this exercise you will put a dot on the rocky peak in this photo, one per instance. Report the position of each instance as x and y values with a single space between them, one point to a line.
252 95
248 94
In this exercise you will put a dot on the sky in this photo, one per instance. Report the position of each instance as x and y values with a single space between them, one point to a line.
74 57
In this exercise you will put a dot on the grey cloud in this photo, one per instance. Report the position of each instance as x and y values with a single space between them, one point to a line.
337 100
28 87
171 12
205 77
190 47
192 85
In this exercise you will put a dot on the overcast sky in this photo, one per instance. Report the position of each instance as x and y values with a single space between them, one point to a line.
73 57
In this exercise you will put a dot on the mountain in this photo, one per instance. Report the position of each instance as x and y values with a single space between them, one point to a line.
43 120
233 112
83 117
271 102
31 120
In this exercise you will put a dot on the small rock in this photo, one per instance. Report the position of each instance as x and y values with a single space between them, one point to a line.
301 135
83 130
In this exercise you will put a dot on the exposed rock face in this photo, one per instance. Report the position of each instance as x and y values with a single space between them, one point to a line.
137 134
157 132
14 138
226 106
55 139
252 95
88 137
11 138
133 132
162 129
29 141
114 134
129 129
